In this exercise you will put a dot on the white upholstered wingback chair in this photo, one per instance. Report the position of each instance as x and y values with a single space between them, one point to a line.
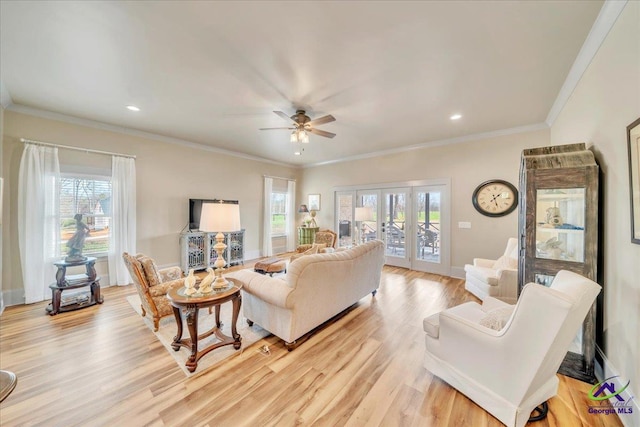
495 278
511 370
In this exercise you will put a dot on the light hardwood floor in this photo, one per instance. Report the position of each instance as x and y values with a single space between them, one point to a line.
102 366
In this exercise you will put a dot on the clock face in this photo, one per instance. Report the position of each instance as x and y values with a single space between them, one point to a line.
495 198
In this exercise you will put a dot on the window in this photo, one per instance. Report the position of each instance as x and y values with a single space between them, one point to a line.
278 213
91 197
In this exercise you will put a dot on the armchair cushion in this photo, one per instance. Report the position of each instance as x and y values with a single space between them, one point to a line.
150 270
505 262
161 289
486 275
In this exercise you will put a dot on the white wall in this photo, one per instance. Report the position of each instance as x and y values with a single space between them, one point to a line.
605 102
467 164
167 176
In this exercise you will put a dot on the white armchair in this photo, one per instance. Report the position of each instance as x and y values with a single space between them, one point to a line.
495 278
511 370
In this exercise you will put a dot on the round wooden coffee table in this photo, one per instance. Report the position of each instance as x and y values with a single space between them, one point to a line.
190 305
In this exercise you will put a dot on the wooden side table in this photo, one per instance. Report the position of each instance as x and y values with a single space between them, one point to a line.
74 281
190 305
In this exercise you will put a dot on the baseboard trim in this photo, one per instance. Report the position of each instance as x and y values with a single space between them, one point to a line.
607 370
457 272
13 297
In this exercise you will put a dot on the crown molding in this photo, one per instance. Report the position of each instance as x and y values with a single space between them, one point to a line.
5 97
45 114
607 17
430 144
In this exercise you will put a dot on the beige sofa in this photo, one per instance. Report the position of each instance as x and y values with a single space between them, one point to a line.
315 288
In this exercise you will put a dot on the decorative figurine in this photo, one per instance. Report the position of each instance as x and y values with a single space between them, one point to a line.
205 285
190 283
76 242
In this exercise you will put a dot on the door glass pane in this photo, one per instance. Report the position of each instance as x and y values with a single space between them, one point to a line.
344 205
560 220
395 205
428 226
369 227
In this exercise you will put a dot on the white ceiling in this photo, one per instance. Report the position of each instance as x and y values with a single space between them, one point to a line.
212 72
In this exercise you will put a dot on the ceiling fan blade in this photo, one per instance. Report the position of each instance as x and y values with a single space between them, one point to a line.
284 116
276 128
322 120
322 133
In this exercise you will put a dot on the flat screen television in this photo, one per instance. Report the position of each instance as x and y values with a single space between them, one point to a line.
195 208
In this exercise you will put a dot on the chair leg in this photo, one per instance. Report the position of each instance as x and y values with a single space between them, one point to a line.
144 312
156 324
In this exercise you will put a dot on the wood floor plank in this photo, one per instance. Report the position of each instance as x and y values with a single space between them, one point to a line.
102 366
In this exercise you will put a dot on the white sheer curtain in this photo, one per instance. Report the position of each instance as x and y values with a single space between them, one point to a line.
291 216
123 217
38 219
267 246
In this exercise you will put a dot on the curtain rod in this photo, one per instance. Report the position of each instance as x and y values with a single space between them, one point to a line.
279 177
69 147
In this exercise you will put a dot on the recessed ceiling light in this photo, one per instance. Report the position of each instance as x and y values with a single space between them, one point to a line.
296 153
132 108
456 117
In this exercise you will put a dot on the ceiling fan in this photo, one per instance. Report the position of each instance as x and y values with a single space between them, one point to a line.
303 125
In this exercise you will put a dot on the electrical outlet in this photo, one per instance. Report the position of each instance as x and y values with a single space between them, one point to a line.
464 224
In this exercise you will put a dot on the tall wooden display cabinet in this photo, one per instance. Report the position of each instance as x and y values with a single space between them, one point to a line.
558 227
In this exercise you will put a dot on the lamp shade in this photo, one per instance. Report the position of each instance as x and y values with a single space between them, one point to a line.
222 217
303 209
364 213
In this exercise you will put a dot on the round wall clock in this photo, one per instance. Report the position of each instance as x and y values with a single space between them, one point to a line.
495 198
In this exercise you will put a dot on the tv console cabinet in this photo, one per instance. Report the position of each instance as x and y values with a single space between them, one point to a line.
197 251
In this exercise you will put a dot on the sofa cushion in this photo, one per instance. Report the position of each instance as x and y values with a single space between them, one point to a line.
497 318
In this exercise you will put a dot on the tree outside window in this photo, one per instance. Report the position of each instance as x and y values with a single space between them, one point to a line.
90 197
278 213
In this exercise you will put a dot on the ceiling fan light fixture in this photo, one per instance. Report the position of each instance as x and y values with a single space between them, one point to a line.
303 137
294 136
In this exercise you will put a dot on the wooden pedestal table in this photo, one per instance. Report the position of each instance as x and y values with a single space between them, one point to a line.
66 282
190 305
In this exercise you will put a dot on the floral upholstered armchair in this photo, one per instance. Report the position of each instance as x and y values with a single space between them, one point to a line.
324 241
152 285
323 237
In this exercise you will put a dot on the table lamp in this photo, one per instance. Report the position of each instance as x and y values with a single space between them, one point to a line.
363 213
303 209
220 218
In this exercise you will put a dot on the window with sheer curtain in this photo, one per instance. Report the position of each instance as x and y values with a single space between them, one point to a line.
91 197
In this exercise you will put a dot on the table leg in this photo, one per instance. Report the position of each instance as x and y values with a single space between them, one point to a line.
218 322
56 296
192 325
91 271
60 275
175 345
95 292
236 312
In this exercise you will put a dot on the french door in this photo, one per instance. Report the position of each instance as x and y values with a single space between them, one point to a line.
412 221
431 219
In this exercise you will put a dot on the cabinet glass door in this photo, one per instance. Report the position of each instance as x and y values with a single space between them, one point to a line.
560 222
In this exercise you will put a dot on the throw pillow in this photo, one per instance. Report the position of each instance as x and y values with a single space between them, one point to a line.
319 246
497 318
150 270
313 250
505 263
